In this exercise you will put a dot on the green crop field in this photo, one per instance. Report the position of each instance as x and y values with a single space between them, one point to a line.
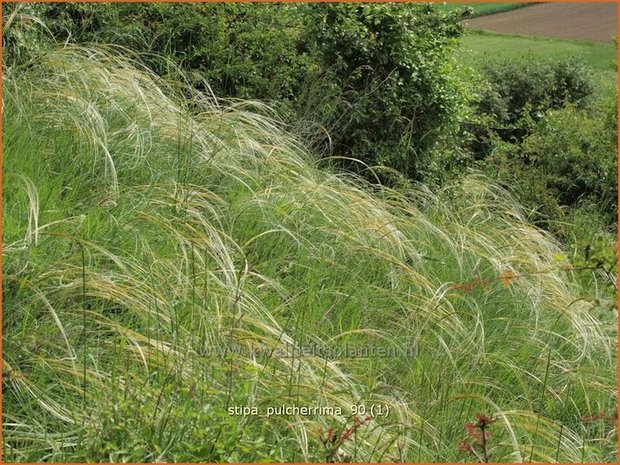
483 8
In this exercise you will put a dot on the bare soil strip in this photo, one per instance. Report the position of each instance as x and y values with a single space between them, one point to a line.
582 21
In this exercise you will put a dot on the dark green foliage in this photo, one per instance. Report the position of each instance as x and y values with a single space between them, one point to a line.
514 95
577 153
391 68
520 91
568 159
541 130
23 34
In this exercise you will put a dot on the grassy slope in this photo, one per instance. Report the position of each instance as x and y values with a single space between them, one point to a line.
144 247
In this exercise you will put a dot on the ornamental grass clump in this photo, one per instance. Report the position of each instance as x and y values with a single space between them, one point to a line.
168 257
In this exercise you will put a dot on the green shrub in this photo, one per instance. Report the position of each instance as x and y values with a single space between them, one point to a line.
391 69
529 89
514 95
240 50
568 160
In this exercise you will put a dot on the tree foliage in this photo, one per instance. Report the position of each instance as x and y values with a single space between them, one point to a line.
393 70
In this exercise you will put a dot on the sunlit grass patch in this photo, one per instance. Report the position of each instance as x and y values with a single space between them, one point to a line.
168 256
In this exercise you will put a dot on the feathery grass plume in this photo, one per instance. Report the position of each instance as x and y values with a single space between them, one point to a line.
169 257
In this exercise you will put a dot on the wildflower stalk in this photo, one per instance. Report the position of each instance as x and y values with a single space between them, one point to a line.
478 438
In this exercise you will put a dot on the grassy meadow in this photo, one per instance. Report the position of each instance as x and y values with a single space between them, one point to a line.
185 280
483 45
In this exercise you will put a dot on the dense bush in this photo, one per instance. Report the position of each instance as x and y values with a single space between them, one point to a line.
568 160
240 50
540 129
391 66
514 95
